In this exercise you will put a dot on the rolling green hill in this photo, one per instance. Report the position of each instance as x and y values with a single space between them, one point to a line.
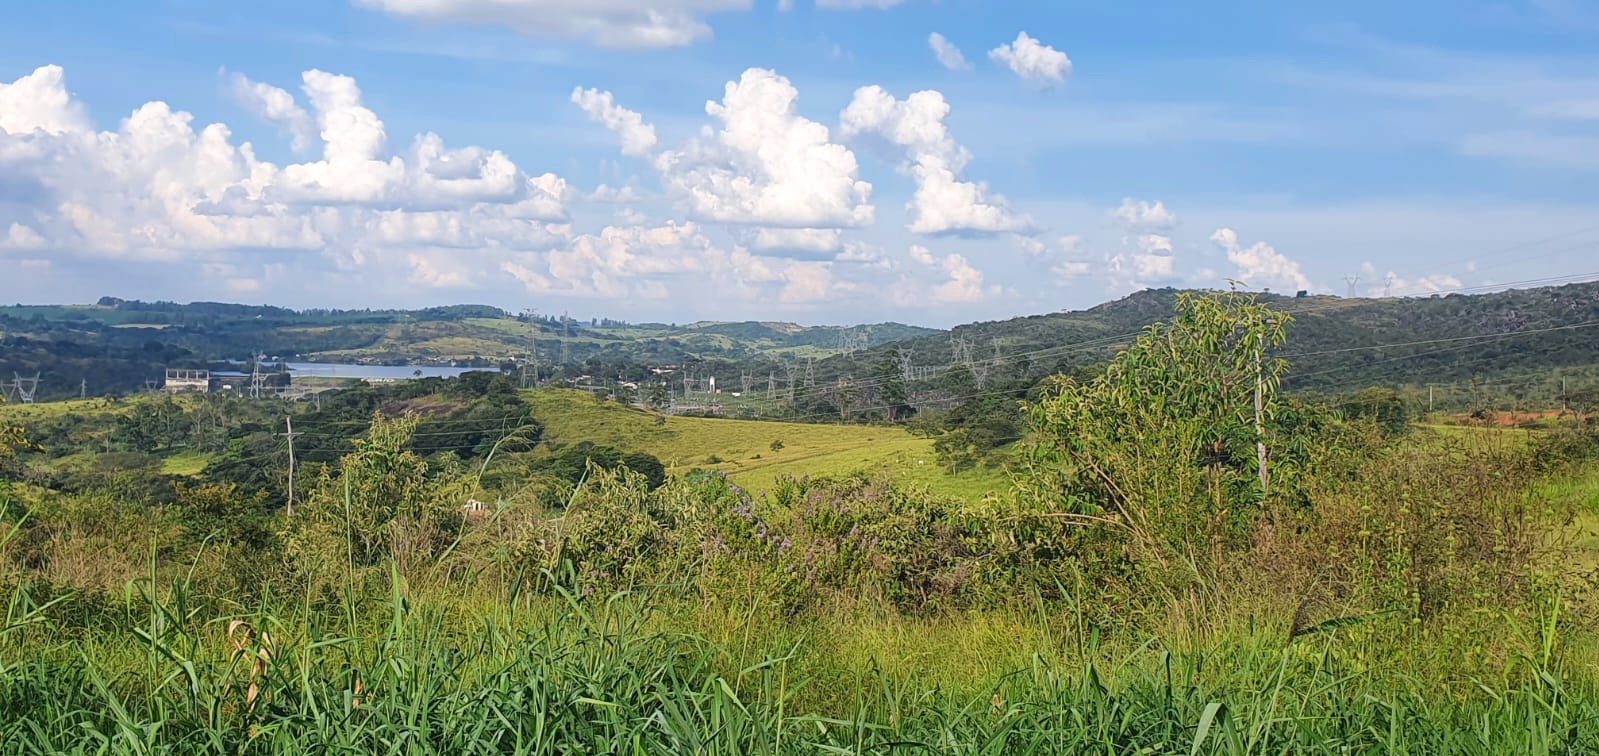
117 345
1539 339
1522 336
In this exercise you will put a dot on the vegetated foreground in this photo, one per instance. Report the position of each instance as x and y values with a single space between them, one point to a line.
1144 587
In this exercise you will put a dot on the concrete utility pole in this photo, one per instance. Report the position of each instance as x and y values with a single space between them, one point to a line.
1260 427
288 422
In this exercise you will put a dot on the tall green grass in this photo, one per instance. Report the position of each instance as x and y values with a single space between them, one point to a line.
568 674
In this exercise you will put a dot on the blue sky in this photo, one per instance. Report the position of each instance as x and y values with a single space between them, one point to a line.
1422 146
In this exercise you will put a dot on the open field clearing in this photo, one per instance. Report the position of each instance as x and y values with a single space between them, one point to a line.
743 448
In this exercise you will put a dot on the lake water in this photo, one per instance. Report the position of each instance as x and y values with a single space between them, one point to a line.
374 372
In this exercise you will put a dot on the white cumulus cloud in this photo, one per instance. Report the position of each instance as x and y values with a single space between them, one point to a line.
945 201
960 282
1139 214
638 137
1259 264
949 56
159 189
1034 61
19 236
40 102
767 165
800 240
276 105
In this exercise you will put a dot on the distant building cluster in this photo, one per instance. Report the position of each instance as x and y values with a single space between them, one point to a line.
183 381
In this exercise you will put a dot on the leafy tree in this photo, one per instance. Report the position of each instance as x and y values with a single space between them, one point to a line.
572 463
891 392
1156 457
655 395
12 439
152 426
1382 405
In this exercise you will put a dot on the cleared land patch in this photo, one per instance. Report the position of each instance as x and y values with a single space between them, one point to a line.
743 448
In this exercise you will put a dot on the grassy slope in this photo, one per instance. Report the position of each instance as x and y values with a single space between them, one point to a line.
26 413
1581 491
684 443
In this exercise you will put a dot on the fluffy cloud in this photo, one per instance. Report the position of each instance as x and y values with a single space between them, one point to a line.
810 282
1146 257
276 105
796 240
1138 214
1393 284
1030 246
1153 260
949 56
616 262
944 201
608 23
865 255
767 165
1062 257
638 137
961 283
351 169
158 189
638 262
1259 264
40 102
19 236
1033 61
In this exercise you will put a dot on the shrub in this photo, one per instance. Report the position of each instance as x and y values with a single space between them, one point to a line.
1383 406
1155 458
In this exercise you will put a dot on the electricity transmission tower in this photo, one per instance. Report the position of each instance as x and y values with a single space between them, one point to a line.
793 370
256 378
1354 285
27 387
1388 285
